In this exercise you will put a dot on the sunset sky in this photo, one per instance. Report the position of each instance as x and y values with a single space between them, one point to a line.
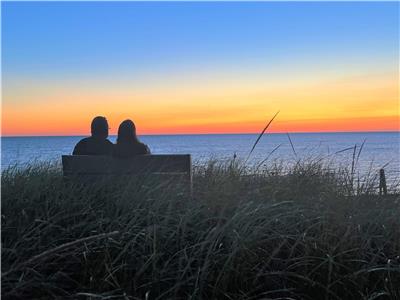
204 67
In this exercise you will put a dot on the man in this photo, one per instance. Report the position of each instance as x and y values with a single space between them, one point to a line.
97 144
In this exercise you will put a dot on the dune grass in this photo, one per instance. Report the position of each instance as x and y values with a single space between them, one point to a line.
304 232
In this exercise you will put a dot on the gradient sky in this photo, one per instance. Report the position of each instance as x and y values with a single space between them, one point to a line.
200 67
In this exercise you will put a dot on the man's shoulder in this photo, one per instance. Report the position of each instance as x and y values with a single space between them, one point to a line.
93 146
91 139
85 140
80 147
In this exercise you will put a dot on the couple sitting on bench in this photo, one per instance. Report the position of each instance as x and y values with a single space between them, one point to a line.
96 158
127 144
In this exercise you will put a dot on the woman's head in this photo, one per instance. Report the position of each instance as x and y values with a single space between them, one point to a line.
127 132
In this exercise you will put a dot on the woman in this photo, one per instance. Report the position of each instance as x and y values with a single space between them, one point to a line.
128 144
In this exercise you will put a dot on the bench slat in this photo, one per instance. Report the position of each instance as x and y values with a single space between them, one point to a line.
140 164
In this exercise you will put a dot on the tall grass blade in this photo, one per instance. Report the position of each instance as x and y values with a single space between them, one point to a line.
359 151
261 134
386 164
353 161
268 156
291 144
343 150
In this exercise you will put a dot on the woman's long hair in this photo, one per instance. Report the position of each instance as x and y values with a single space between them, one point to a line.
127 132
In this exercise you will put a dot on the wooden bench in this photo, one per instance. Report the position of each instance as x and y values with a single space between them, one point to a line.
92 167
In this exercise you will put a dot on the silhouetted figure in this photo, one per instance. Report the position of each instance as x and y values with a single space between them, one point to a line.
128 144
97 144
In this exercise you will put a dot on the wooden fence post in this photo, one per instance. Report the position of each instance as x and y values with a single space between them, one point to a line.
382 182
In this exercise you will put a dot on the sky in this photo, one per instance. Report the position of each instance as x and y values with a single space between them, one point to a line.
199 67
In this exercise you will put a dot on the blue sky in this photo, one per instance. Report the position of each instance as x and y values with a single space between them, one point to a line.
89 38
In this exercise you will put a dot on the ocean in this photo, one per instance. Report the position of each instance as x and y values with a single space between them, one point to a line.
379 149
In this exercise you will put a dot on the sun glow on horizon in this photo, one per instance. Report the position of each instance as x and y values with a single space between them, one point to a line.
356 103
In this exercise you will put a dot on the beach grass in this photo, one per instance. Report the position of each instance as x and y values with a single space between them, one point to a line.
301 232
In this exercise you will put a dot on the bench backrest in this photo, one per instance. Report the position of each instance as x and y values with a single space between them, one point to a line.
140 164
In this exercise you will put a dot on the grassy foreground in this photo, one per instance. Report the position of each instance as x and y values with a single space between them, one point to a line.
309 234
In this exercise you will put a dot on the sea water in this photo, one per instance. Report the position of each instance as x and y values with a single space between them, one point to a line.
378 149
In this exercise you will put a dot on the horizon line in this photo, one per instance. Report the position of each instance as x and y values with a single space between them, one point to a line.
238 133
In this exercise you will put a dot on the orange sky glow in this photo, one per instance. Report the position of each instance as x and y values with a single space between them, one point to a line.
361 102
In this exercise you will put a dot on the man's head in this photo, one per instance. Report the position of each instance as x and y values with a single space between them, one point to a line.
100 127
